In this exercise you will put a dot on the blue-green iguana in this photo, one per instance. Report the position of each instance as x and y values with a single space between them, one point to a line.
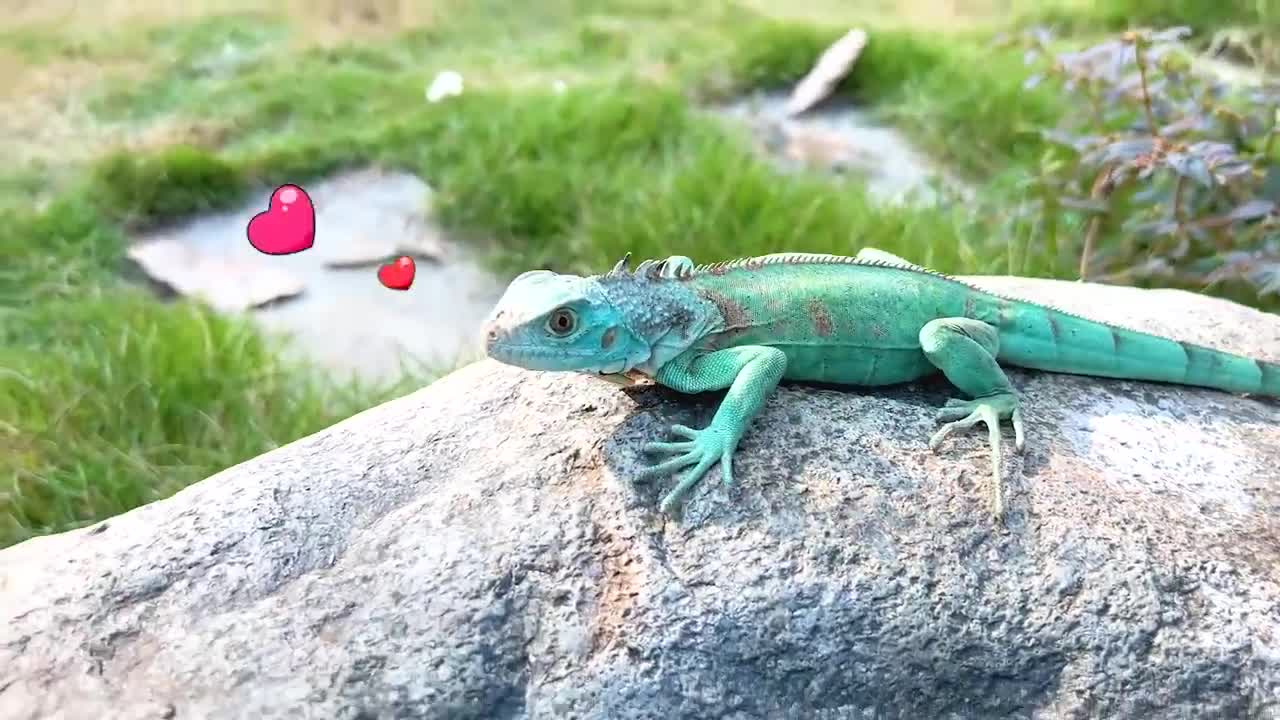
869 320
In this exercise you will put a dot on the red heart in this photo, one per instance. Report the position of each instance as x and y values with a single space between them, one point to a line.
397 275
287 226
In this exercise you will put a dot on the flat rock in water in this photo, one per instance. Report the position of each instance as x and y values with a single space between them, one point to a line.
346 322
366 251
479 549
842 138
826 150
417 239
227 284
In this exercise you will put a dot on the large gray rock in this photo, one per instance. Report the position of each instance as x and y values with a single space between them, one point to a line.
477 550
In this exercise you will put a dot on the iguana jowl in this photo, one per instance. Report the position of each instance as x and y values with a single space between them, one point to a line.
869 320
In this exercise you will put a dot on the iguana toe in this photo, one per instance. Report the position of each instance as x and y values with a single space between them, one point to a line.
963 414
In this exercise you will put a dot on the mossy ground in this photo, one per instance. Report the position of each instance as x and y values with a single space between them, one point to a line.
110 398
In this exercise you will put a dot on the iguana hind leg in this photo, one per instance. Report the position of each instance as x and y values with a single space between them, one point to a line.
965 351
751 373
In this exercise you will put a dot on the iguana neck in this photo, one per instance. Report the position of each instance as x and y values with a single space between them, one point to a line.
668 314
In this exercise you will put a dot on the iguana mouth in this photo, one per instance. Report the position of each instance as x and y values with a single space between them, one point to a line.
624 379
536 351
534 357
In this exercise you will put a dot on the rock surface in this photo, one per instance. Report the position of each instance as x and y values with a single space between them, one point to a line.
478 550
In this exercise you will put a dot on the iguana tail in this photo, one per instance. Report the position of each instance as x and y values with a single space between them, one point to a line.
1045 339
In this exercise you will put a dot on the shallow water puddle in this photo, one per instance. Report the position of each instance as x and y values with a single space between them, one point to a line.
328 298
841 138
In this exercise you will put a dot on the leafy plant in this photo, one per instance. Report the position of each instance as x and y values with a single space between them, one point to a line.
1167 172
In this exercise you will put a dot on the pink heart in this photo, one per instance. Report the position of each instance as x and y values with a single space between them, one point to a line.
287 226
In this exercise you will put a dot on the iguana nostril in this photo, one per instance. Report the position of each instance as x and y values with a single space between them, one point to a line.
491 336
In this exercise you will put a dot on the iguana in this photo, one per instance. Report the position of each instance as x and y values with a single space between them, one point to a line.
874 319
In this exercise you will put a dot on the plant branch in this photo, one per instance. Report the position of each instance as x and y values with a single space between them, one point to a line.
1101 188
1178 213
1271 136
1142 74
1090 237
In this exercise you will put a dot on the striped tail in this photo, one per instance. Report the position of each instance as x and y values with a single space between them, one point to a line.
1052 340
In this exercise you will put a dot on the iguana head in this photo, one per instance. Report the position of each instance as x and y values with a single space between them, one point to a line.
549 321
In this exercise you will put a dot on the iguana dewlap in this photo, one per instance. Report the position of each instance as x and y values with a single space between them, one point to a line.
876 319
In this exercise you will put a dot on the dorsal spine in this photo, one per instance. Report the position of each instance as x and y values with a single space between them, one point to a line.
651 271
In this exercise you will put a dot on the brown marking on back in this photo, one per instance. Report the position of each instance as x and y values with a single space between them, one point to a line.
821 318
1054 330
606 340
733 316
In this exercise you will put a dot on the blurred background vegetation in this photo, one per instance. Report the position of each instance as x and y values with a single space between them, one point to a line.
1093 150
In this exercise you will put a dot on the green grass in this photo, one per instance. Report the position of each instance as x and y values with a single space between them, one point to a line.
574 181
120 401
176 182
111 399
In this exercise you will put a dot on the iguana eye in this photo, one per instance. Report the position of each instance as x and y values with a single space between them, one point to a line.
562 322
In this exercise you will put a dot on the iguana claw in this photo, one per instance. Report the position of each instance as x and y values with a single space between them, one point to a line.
701 449
961 414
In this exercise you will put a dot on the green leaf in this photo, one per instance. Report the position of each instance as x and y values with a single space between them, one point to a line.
1190 166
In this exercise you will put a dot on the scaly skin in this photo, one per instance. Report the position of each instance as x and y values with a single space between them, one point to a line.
746 325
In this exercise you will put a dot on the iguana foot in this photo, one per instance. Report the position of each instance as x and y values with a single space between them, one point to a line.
961 414
700 449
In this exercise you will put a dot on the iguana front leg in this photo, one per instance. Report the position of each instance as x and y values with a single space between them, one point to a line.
751 372
965 351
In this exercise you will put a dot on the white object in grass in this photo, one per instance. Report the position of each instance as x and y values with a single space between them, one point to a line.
446 84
